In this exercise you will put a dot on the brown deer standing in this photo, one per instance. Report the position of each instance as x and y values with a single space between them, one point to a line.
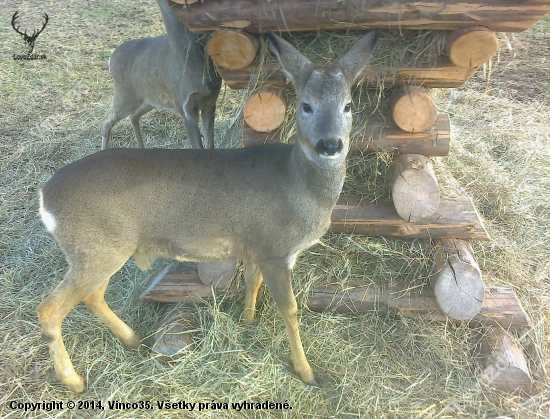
264 205
169 72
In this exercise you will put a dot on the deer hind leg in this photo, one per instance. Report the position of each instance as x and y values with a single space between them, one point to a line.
79 282
277 277
254 279
96 304
142 110
124 104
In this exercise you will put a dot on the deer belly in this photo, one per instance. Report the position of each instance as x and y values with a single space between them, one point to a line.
162 101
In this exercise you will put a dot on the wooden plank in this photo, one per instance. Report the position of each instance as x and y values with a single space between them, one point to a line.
177 283
454 218
442 74
258 16
379 136
500 307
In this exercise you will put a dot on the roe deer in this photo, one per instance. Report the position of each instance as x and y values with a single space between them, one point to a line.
168 72
264 205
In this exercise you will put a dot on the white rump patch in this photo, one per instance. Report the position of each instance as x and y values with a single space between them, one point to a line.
47 217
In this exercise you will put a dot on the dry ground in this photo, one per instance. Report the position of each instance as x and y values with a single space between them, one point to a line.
370 366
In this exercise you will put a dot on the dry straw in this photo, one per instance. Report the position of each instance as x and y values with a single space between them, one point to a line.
374 365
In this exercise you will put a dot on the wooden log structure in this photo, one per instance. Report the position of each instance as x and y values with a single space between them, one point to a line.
500 307
455 217
232 50
457 283
265 110
414 188
177 283
379 136
505 364
471 47
442 74
258 16
413 108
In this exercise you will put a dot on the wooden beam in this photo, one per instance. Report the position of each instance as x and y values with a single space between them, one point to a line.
454 218
177 283
442 74
312 15
500 306
379 136
505 364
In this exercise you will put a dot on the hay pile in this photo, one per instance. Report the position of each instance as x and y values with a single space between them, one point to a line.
382 366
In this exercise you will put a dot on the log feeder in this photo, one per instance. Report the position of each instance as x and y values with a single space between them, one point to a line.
264 111
457 283
232 50
501 306
455 217
414 188
505 365
413 108
378 137
471 47
315 15
442 74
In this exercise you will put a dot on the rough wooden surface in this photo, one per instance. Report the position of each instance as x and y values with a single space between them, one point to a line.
177 283
442 74
500 307
378 137
264 111
413 108
414 188
232 50
505 364
455 217
471 47
457 283
311 15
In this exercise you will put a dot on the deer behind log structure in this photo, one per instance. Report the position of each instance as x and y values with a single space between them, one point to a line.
264 205
170 72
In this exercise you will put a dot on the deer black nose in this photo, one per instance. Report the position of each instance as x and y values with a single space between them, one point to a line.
330 147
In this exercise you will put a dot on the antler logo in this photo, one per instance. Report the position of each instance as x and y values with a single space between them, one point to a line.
29 39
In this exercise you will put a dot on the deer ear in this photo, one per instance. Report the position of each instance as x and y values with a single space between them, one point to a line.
358 56
296 67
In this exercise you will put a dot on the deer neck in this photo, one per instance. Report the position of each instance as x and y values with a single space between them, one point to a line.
321 180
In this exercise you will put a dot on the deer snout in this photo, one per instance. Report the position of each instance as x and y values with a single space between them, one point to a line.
330 147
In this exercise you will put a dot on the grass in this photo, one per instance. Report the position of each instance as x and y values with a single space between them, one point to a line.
379 366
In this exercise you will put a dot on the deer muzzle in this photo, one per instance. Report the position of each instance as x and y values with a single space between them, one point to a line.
330 147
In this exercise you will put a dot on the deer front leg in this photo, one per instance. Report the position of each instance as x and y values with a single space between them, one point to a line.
277 277
189 113
254 279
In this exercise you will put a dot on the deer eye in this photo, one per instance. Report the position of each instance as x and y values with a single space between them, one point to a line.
307 108
347 108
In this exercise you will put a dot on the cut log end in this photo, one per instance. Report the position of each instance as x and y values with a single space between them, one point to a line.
471 47
415 191
264 111
413 109
457 285
232 50
217 273
505 366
